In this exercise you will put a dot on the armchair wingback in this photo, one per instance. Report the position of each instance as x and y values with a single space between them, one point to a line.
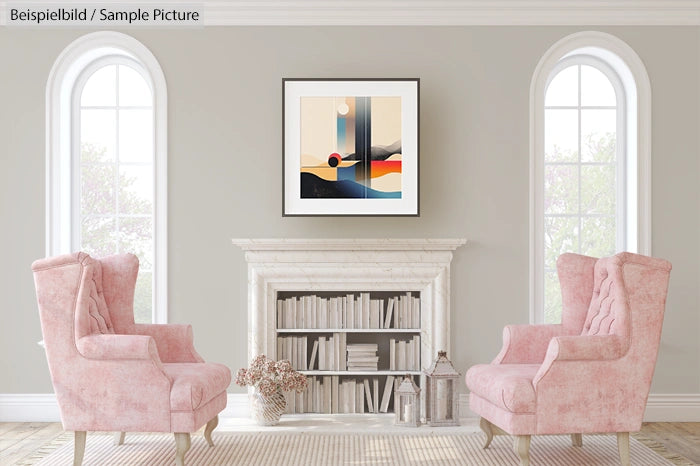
111 374
592 372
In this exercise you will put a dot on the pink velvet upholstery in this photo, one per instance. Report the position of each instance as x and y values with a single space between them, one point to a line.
110 374
592 372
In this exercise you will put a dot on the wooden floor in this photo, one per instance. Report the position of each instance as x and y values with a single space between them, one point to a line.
681 438
20 439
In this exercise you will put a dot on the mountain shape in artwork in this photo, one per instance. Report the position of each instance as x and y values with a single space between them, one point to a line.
379 152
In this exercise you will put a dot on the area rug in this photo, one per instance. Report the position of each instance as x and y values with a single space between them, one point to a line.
314 449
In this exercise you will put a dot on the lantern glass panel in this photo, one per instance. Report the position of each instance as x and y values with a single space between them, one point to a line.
406 408
445 395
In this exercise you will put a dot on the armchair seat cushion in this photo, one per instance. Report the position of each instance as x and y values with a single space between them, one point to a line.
195 384
508 386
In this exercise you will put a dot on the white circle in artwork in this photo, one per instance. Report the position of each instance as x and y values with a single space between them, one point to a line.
343 109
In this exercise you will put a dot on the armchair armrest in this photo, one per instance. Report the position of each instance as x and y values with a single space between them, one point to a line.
571 353
175 342
526 344
118 347
585 347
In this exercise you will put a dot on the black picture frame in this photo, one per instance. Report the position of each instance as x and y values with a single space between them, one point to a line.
348 164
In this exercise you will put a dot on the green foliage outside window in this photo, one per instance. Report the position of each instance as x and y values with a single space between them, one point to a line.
114 218
580 209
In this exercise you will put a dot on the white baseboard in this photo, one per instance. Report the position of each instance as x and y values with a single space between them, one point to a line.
42 407
673 407
30 407
237 405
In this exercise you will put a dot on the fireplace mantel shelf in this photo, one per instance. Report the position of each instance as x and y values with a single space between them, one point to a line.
349 244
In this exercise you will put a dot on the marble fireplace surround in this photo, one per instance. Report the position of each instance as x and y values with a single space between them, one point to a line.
316 265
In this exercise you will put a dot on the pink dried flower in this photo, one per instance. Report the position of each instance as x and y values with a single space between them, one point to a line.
241 377
269 376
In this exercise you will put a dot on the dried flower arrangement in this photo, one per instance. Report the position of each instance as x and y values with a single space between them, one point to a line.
269 376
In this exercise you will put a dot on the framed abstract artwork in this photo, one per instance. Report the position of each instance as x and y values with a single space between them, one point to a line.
350 147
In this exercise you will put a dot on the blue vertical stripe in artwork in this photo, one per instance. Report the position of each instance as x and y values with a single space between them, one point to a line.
340 125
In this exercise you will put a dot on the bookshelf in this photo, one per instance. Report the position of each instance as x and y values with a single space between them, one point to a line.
353 346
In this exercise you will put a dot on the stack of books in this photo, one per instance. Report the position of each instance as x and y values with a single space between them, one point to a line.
362 357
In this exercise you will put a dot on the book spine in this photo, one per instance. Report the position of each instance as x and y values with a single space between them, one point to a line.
381 313
389 313
336 351
334 394
352 408
388 387
322 348
317 313
280 314
374 313
416 353
327 390
368 396
308 319
351 311
314 352
343 352
361 396
300 312
343 312
366 310
304 353
392 354
375 394
415 318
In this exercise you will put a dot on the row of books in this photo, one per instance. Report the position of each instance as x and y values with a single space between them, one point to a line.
404 355
348 312
331 395
335 354
327 353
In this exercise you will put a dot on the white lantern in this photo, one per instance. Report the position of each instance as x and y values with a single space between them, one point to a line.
442 392
407 403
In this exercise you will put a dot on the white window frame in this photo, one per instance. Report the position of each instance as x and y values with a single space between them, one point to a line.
623 62
61 143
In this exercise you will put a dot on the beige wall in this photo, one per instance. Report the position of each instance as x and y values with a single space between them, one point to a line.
225 165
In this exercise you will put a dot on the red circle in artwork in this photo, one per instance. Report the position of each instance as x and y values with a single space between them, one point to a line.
334 159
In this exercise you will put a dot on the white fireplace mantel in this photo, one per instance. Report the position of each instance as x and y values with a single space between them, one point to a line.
349 265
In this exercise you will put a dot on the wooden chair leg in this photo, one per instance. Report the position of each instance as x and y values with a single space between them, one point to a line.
119 438
211 425
79 447
521 445
487 428
182 443
623 447
577 440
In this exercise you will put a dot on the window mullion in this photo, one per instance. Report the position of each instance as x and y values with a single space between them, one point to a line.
116 165
580 222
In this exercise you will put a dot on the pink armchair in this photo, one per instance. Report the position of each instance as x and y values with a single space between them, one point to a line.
592 372
110 374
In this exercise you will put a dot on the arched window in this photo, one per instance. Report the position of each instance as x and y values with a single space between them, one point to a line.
106 159
590 182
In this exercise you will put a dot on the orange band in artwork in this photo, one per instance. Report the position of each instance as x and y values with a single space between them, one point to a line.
382 167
